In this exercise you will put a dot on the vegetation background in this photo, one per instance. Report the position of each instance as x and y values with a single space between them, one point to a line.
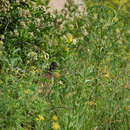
90 88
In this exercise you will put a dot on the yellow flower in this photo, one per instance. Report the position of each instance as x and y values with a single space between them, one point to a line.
107 75
55 126
54 117
92 103
39 118
38 70
67 49
69 38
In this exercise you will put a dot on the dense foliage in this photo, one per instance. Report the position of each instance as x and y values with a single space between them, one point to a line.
123 5
90 88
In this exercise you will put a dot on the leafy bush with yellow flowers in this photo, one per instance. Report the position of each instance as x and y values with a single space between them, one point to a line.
66 70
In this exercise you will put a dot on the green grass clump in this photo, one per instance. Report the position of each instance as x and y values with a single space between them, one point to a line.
90 88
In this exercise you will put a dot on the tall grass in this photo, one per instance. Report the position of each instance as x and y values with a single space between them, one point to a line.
90 88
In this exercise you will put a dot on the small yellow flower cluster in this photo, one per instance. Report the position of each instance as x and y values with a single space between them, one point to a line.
54 117
69 38
107 75
39 118
66 49
38 70
55 124
33 69
92 103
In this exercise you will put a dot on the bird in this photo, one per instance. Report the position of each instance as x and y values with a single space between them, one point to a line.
46 87
50 71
